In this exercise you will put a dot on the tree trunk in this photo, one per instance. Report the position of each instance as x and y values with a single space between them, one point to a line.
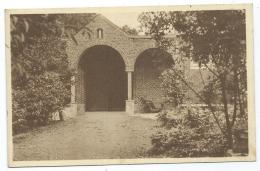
236 97
225 103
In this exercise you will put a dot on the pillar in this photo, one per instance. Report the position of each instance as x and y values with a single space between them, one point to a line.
129 85
80 91
73 104
73 93
71 110
129 101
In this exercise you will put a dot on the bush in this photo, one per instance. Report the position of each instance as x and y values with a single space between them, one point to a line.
34 108
40 72
174 89
140 105
44 86
187 134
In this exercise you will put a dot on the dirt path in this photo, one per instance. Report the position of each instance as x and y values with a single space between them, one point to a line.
94 135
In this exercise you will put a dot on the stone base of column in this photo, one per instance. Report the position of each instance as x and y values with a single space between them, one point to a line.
70 111
129 106
80 109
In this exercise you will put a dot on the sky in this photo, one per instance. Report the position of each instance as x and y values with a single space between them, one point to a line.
123 18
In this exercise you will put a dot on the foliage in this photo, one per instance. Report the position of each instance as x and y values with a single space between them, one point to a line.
172 87
33 108
28 29
130 31
46 86
41 77
140 106
211 37
188 135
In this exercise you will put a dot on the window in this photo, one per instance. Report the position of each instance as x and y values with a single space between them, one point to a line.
99 33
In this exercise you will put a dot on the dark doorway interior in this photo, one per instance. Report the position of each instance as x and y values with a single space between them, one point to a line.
105 79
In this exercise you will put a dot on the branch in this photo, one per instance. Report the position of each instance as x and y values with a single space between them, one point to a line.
205 101
201 77
235 112
211 70
236 93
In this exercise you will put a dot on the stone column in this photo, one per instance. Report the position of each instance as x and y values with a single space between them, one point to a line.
80 92
73 104
129 101
71 110
129 85
73 93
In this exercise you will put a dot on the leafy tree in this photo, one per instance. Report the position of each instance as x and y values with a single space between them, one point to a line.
211 37
130 31
41 77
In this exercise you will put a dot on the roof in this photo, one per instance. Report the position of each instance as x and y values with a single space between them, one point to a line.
139 36
128 35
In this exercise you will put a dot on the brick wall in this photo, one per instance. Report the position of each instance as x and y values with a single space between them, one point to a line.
146 83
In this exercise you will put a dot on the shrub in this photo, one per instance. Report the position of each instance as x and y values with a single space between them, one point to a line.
187 134
173 88
40 72
140 105
33 108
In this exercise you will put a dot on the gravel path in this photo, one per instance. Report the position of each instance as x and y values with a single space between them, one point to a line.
97 135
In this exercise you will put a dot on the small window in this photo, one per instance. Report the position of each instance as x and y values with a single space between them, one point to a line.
99 33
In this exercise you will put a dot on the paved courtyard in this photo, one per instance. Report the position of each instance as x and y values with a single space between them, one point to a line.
94 135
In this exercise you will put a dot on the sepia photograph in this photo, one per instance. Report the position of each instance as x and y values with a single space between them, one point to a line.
130 85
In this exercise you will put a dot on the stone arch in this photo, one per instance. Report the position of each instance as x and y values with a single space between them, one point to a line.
101 80
83 46
142 50
148 66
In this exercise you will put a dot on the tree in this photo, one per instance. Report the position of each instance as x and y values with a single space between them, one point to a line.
41 77
212 37
130 31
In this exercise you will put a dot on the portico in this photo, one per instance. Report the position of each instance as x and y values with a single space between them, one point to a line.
106 77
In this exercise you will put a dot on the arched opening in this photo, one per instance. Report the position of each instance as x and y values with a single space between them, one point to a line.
99 33
146 83
105 85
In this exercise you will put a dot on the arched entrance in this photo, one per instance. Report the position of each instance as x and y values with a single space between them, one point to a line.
105 81
146 83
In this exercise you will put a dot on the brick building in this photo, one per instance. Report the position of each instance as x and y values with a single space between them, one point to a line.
114 69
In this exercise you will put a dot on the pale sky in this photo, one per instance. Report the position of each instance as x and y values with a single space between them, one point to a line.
124 18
